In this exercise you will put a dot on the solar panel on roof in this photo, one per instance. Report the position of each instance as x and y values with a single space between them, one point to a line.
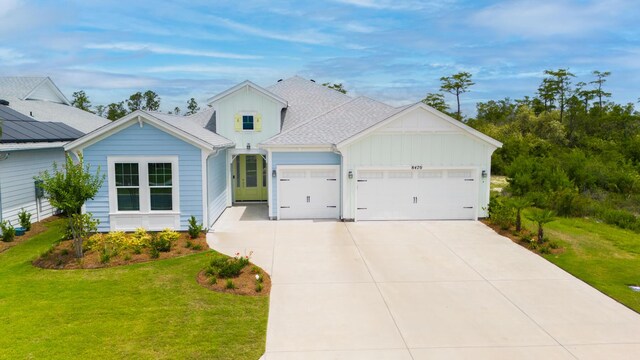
17 127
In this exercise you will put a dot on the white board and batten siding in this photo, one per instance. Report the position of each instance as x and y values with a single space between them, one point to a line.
308 191
433 166
17 188
247 101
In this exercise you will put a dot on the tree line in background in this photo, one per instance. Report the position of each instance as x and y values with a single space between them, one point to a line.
147 101
568 148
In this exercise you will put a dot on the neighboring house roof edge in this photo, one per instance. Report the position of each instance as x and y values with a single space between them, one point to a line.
24 146
242 85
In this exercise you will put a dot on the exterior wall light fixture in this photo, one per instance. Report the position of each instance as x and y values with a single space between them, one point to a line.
350 174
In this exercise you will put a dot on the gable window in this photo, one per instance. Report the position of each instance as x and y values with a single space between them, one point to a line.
247 122
127 186
144 184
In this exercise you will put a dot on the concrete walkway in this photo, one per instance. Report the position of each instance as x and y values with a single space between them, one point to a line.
420 290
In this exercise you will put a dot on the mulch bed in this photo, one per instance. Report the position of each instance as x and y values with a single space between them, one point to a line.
245 283
516 239
62 256
36 228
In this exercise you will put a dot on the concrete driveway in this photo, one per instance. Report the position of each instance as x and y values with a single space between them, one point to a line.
420 290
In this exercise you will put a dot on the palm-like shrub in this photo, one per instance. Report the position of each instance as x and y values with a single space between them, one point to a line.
542 217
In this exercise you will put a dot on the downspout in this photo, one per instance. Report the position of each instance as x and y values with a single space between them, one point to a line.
4 156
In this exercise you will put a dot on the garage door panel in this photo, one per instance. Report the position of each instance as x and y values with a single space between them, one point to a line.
416 195
309 193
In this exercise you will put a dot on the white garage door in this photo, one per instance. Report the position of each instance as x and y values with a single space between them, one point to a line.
309 192
416 194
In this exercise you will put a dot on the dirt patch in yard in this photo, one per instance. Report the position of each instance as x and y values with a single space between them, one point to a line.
61 256
36 228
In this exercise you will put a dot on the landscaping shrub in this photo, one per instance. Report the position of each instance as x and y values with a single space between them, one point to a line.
227 267
139 240
195 229
8 231
501 213
163 241
229 284
25 219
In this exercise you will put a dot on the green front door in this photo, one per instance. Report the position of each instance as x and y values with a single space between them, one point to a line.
250 178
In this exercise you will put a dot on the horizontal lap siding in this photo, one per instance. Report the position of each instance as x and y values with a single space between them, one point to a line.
17 190
217 186
298 158
148 141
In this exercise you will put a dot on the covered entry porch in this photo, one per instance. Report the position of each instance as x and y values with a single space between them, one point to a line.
248 177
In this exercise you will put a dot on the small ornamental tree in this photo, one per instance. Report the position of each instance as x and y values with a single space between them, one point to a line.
68 188
542 217
519 204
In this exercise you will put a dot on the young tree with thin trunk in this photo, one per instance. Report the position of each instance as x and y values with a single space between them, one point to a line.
457 84
560 81
68 188
601 78
519 204
541 218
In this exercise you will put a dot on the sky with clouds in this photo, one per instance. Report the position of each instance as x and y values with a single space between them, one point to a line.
391 50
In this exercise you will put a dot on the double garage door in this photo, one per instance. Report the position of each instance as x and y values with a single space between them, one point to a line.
309 192
416 194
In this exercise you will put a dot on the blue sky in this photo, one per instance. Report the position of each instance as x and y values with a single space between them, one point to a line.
391 50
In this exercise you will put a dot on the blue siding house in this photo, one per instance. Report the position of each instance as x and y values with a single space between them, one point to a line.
304 150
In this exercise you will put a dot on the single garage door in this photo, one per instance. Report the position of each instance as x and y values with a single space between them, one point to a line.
309 192
434 194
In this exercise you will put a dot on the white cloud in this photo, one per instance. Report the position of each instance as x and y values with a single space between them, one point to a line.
11 57
209 69
165 50
397 5
359 28
312 37
545 18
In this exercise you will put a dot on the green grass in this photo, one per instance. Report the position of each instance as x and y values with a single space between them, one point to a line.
604 256
152 310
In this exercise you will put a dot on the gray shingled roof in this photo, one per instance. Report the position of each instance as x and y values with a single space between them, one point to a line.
338 124
18 86
306 100
185 124
19 128
15 88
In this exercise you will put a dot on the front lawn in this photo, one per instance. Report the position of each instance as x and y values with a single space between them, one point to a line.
152 310
604 256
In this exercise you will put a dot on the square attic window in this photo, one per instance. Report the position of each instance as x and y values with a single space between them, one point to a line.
247 122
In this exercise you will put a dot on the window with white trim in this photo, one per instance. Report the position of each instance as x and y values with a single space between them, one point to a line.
128 186
247 123
144 184
160 186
